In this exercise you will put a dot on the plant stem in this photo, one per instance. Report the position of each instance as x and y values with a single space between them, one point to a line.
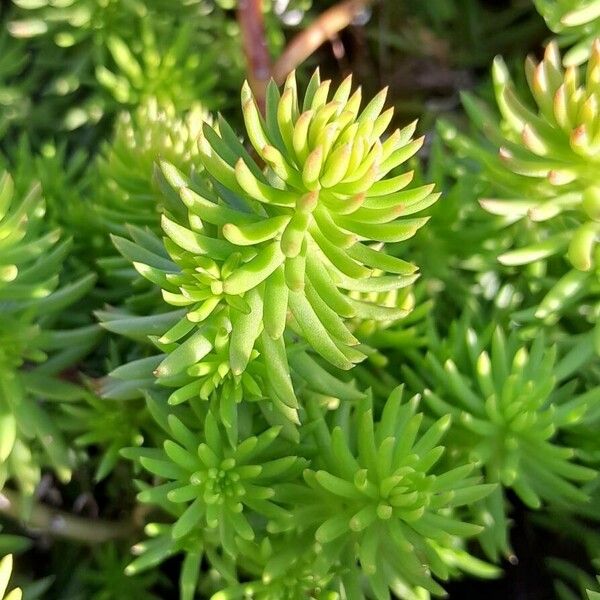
324 28
47 520
252 26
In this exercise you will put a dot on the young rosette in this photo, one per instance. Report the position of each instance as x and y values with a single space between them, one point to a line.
507 411
216 485
167 62
128 193
374 497
287 567
288 245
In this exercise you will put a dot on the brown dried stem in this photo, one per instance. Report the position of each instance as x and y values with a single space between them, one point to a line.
252 26
50 521
324 28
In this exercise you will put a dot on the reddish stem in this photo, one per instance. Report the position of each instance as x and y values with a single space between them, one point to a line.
324 28
258 60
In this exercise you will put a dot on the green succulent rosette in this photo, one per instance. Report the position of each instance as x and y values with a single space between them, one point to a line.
542 163
95 56
216 485
128 194
288 567
172 67
546 157
509 405
284 250
373 497
311 215
555 149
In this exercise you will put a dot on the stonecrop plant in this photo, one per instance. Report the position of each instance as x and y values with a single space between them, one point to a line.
127 192
373 499
269 333
94 57
33 350
541 162
508 409
558 145
258 254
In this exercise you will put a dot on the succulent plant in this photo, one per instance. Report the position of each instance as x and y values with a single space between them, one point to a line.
72 35
128 194
29 295
328 198
265 288
508 408
218 485
108 53
543 176
457 252
554 147
172 70
222 496
372 497
65 186
296 237
284 569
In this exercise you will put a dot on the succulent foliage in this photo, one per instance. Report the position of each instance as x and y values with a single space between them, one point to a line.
299 239
30 295
248 351
508 409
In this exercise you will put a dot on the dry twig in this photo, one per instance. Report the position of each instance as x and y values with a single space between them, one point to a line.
50 521
250 19
324 28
